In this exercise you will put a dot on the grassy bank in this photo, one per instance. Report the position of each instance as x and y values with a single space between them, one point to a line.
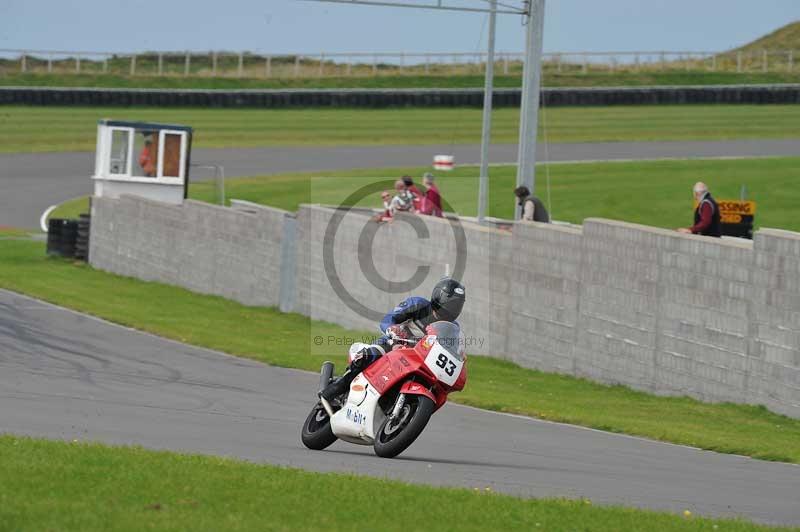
285 339
88 487
384 81
652 193
33 129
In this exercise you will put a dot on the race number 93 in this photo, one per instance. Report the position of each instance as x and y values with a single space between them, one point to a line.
444 365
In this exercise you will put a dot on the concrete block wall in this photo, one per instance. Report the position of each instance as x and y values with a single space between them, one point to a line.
774 333
544 280
202 247
718 320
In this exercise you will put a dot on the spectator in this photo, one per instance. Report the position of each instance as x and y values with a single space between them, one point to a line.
533 210
706 215
148 158
403 201
432 201
386 215
414 191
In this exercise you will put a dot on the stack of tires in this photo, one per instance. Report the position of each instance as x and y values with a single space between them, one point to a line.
68 238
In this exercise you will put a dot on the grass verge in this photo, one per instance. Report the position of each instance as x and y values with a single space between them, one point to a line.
654 193
285 339
455 81
36 129
81 486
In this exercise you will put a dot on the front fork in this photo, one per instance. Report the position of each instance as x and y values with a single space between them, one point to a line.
398 406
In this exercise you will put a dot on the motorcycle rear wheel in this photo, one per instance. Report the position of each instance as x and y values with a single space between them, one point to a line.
395 436
317 433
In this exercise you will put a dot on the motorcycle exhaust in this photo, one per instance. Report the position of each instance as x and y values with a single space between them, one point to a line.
325 374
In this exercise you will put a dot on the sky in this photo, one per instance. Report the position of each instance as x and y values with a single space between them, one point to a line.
276 26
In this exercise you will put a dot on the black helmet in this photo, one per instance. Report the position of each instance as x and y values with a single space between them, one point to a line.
447 299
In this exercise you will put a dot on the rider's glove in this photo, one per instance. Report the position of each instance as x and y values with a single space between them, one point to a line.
398 331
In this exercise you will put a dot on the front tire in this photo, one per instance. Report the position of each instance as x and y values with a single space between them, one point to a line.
397 435
317 433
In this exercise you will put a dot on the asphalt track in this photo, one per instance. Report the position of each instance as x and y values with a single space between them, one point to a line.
67 376
31 182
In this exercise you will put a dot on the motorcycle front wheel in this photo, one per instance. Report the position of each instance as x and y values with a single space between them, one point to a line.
396 435
317 433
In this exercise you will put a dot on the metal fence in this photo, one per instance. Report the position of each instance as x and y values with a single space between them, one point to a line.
360 64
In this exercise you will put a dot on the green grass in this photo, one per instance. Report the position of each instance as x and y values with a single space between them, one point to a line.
551 79
285 340
87 487
34 129
784 38
656 193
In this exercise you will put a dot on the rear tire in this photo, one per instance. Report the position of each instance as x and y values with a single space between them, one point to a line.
395 437
317 433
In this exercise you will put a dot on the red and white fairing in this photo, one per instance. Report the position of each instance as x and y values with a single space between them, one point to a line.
435 367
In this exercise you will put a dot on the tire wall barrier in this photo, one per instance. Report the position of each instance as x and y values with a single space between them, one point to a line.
618 303
554 97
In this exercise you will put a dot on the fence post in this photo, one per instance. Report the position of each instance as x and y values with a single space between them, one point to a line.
427 63
105 65
790 64
296 65
505 64
374 65
402 62
23 64
714 63
49 63
349 65
320 70
77 64
585 63
558 63
240 68
160 63
133 64
687 61
764 61
268 71
738 62
187 64
213 63
662 63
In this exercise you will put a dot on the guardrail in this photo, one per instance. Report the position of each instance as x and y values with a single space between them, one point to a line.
364 64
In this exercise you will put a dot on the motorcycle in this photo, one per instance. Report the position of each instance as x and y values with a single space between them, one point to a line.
390 402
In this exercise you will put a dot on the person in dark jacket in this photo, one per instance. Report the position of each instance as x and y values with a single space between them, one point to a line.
706 215
533 210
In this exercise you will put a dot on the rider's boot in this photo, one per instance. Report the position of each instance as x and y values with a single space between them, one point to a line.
338 387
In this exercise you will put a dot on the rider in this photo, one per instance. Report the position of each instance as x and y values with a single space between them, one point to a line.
407 320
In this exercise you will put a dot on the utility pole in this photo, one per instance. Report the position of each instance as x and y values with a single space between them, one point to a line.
529 110
486 131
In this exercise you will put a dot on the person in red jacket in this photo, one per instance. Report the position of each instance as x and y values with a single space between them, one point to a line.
432 202
706 215
414 191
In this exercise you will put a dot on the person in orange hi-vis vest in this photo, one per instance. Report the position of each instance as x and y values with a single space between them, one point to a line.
147 158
